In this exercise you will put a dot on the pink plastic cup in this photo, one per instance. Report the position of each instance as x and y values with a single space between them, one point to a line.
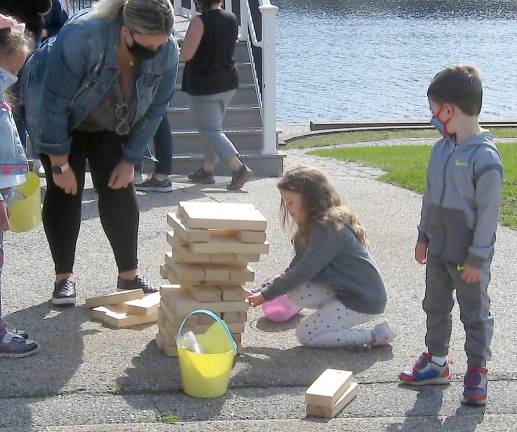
280 309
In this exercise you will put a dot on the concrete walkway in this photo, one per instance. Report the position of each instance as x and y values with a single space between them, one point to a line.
88 377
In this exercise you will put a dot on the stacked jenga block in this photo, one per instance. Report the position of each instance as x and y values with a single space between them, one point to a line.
125 308
330 393
207 267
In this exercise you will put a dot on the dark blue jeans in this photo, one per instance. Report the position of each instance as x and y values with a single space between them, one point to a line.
163 148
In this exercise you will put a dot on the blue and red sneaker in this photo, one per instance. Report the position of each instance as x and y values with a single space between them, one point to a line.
426 372
475 386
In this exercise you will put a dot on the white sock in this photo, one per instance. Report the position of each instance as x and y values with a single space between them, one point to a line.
440 361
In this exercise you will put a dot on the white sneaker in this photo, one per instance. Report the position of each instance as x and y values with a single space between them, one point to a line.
382 334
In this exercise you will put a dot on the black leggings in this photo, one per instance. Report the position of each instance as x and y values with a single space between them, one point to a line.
118 208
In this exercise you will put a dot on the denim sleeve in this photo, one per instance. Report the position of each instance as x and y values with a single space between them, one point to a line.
322 247
489 182
143 131
67 68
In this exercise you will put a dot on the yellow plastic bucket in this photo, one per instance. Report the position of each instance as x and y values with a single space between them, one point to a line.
207 375
25 213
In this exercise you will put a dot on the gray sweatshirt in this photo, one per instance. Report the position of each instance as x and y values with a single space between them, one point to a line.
460 208
339 260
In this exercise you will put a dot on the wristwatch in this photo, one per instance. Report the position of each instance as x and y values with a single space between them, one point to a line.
60 169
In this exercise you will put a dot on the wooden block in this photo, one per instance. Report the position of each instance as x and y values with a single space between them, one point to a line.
169 350
205 294
228 245
182 254
182 303
114 298
188 272
228 216
242 274
168 290
235 293
216 272
235 317
147 305
331 411
116 318
328 387
223 258
189 235
251 236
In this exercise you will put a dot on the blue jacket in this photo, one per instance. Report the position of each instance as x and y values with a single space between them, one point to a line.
12 157
65 79
460 208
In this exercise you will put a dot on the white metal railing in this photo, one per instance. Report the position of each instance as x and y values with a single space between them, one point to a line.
247 31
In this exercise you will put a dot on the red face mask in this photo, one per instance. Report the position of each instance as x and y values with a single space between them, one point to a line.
439 124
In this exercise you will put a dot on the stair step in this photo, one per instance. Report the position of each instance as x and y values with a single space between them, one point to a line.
262 165
235 118
189 141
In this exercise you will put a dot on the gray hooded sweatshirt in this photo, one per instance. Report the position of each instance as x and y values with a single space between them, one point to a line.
460 208
335 258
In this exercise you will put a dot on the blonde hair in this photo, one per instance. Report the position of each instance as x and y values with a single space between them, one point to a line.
141 16
320 201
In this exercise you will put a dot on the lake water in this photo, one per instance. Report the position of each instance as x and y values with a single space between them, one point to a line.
351 59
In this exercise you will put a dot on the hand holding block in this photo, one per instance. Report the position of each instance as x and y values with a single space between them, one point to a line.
114 298
148 305
226 216
332 410
328 387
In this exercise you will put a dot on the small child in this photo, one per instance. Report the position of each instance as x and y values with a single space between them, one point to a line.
332 270
456 234
15 45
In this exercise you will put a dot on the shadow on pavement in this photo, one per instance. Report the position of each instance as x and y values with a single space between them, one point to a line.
44 374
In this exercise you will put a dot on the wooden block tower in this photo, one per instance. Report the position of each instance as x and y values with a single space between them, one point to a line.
212 244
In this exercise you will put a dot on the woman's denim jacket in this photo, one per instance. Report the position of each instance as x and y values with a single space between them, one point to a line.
65 79
12 157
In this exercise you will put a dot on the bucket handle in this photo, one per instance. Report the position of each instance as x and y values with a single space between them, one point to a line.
211 315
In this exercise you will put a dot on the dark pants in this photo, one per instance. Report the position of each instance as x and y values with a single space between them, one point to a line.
118 208
442 278
163 147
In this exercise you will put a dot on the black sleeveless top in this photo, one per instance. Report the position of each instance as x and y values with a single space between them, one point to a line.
212 69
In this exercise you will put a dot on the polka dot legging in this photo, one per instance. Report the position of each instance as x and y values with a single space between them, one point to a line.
331 325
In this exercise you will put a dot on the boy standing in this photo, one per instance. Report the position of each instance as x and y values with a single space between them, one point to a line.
456 234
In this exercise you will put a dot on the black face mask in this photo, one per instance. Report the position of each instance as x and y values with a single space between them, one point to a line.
140 52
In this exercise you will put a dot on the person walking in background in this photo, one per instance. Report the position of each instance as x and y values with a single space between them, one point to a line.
456 234
98 93
210 78
159 180
15 45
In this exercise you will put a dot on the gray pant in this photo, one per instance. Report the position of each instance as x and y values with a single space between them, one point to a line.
208 112
442 278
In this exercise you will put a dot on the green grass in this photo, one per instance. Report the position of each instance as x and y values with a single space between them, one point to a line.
165 420
363 136
405 166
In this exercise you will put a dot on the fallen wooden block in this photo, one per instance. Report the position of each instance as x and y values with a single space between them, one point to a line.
332 410
114 298
234 293
148 305
227 216
251 236
228 245
328 387
114 317
235 317
182 303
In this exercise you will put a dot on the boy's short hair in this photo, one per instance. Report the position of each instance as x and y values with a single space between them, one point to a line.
459 85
